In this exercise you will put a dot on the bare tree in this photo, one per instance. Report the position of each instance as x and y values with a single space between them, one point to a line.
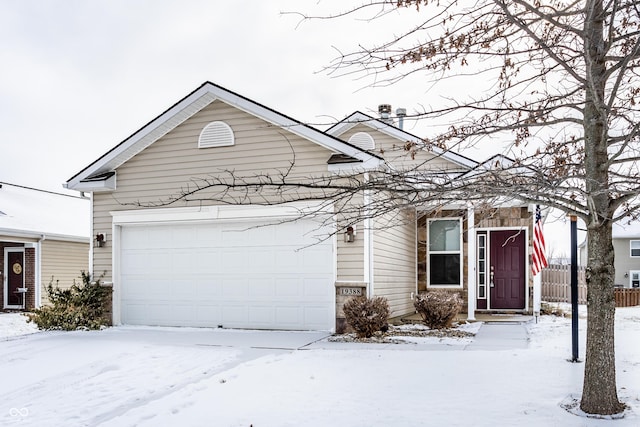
562 89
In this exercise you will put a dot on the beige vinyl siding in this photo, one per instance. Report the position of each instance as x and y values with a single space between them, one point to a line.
175 162
394 152
395 262
350 261
63 261
351 257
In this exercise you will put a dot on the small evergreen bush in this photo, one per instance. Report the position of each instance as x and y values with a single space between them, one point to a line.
438 308
366 315
79 307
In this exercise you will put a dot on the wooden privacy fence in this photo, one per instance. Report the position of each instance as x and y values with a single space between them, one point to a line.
627 297
556 287
556 284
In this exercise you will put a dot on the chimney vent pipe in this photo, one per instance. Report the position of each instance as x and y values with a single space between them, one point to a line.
401 113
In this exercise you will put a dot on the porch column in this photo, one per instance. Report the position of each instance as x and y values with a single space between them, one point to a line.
537 295
471 264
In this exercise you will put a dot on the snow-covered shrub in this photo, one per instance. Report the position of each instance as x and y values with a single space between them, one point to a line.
79 307
438 308
366 315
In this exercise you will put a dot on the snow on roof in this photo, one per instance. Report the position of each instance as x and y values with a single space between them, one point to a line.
25 210
626 229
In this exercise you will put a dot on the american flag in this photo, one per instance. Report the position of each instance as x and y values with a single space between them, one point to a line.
539 256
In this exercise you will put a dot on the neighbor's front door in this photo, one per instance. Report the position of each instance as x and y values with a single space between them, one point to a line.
507 269
15 278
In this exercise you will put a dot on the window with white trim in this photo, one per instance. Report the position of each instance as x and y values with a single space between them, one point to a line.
362 140
634 248
216 134
444 252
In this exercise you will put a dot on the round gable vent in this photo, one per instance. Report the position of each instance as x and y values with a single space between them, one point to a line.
362 140
216 134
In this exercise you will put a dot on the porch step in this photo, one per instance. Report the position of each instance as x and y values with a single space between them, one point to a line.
503 318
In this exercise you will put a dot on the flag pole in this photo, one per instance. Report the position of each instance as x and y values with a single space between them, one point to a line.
574 288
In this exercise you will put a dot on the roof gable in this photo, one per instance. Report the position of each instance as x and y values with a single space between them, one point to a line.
359 118
186 108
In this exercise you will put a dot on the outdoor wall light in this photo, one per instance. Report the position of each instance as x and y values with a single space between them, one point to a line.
100 240
626 275
350 234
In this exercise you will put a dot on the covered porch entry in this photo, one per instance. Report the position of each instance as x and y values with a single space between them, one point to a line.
481 254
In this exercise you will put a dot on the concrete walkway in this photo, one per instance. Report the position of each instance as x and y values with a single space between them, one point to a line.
500 336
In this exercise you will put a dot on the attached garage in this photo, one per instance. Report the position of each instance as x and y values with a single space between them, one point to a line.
259 273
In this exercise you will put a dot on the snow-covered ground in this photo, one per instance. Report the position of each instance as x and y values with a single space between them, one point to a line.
128 376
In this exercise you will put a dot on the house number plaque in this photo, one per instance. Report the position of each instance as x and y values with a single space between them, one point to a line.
356 292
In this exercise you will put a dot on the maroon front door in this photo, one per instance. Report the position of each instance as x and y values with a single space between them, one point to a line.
507 269
15 277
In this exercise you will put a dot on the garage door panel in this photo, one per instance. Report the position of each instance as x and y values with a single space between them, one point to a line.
235 275
235 259
235 315
316 287
205 258
287 288
288 316
234 288
261 315
207 315
262 288
140 287
315 316
182 262
157 312
206 234
208 287
314 259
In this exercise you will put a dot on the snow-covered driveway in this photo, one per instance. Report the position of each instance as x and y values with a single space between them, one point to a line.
89 378
158 377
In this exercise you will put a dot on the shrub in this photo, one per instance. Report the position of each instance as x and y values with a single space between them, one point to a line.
438 308
79 307
366 315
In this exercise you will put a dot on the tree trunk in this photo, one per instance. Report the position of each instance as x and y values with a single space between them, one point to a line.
599 394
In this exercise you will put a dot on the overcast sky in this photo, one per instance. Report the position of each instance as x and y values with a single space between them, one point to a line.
78 76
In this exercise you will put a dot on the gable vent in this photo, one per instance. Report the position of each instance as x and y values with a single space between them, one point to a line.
216 134
362 140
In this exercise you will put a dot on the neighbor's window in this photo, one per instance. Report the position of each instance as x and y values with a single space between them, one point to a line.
635 248
444 252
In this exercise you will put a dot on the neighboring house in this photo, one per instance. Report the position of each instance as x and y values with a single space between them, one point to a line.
626 245
42 235
253 259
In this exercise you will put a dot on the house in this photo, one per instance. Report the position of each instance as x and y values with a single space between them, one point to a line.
198 226
43 235
626 245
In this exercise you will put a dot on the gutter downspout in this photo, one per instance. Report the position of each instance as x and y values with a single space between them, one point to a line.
37 297
91 234
368 239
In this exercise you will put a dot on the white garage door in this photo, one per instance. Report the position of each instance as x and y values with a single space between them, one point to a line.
237 275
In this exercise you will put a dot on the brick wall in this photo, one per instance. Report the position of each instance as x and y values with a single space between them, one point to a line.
30 277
